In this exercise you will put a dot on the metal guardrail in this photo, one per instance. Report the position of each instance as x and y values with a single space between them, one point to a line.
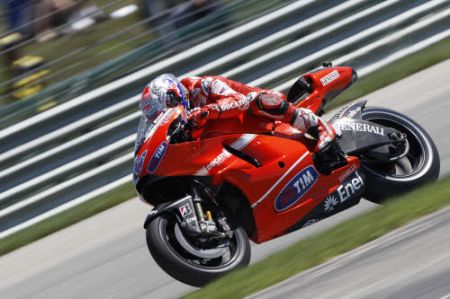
144 55
141 56
38 127
417 24
351 42
75 148
76 128
12 137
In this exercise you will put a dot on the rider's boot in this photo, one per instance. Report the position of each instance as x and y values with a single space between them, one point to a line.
327 156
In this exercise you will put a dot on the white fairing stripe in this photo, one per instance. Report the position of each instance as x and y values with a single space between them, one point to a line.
239 144
243 141
202 172
279 180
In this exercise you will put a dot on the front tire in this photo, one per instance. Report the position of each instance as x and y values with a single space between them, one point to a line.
419 166
187 267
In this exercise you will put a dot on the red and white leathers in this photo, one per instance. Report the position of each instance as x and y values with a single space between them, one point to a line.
215 97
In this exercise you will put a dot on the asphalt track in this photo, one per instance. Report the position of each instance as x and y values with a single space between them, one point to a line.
411 262
106 256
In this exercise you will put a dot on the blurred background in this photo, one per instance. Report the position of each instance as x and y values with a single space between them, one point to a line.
47 43
71 72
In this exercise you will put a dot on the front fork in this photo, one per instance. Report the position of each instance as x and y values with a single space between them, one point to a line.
192 218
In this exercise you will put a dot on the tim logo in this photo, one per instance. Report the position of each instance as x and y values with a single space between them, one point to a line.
296 188
157 157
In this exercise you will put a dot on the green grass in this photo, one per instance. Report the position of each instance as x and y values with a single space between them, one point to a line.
324 246
69 217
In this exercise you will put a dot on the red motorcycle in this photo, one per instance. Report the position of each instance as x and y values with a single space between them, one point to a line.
244 179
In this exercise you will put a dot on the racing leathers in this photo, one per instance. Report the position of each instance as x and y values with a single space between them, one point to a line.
215 97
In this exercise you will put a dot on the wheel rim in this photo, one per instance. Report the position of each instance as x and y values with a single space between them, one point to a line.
230 256
415 162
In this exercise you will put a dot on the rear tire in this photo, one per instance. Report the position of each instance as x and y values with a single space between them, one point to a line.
419 166
186 267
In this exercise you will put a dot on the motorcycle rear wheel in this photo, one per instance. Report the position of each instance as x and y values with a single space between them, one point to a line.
187 267
419 166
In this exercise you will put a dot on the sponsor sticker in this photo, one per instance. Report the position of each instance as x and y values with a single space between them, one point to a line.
189 220
353 126
348 189
345 112
224 154
296 188
206 84
218 160
330 202
329 78
157 157
219 87
185 210
242 104
353 112
138 162
239 144
348 172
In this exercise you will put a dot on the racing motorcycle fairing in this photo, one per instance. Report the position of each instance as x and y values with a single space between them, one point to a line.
316 89
364 137
348 194
277 176
298 196
289 187
352 110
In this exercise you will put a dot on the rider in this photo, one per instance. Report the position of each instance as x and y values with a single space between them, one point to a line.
215 97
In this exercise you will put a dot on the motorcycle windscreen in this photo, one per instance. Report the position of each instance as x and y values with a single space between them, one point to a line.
145 127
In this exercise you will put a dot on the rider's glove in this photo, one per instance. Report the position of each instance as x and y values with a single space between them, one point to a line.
198 116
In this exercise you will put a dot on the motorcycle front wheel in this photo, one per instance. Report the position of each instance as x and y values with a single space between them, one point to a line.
186 261
420 165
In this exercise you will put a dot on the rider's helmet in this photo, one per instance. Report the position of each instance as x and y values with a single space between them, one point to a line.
163 92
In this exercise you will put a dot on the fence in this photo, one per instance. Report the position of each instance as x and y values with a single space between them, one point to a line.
143 55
